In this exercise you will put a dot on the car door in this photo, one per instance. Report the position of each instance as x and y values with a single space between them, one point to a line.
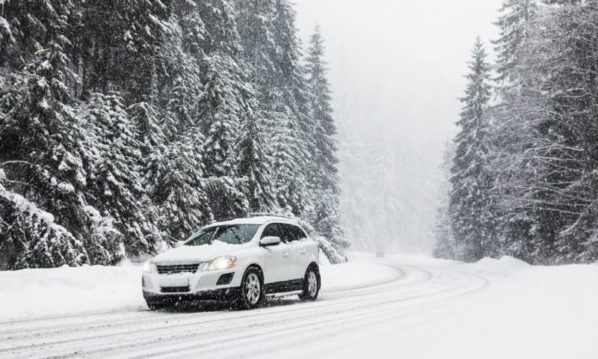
276 258
297 255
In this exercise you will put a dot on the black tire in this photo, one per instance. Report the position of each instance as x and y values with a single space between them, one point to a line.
252 293
311 284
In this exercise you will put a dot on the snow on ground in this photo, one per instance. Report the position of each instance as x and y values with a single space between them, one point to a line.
41 292
402 306
524 312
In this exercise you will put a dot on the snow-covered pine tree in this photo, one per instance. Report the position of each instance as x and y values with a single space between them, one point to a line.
112 156
578 239
28 27
565 153
324 179
182 88
30 238
271 48
445 246
296 125
514 24
223 107
150 132
470 199
119 46
253 166
192 27
510 127
255 27
178 187
39 154
200 104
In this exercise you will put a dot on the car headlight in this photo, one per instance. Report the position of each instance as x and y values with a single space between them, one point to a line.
149 267
221 263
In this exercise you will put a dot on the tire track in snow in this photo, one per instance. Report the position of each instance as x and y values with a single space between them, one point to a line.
336 309
113 320
176 320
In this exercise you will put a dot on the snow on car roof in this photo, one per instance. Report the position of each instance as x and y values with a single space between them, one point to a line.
257 220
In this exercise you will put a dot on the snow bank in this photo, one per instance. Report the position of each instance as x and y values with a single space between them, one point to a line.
41 292
504 264
504 261
354 274
38 292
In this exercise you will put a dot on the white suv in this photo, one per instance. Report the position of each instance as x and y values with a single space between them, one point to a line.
240 261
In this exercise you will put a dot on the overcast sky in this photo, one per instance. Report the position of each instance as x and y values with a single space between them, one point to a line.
397 67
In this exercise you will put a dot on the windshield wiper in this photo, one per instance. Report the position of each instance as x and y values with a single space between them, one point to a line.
237 237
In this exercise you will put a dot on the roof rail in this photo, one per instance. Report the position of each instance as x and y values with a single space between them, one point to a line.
266 214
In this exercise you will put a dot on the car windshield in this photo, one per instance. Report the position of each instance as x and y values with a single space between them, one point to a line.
231 234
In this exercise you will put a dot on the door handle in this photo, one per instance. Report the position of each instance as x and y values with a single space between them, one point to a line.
285 254
302 252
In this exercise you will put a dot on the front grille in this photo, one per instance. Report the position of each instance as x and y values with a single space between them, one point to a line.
178 268
175 289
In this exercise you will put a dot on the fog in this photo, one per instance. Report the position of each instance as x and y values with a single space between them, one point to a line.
396 69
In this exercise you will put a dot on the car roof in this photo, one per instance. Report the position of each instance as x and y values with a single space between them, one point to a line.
258 220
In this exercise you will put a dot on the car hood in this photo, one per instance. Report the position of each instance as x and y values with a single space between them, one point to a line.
186 254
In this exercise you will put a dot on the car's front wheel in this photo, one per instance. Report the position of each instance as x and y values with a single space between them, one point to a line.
252 290
311 284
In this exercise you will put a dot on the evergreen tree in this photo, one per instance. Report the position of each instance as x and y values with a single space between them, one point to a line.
255 26
296 125
129 122
225 103
445 246
511 119
112 156
29 27
324 173
565 153
119 45
38 150
181 54
253 166
178 186
29 237
268 37
514 24
471 220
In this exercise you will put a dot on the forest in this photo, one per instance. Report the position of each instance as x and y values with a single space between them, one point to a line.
126 125
523 169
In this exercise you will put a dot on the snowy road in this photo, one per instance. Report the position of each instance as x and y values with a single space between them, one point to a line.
340 319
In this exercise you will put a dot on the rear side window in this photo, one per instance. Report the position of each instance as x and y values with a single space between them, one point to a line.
300 233
287 233
293 233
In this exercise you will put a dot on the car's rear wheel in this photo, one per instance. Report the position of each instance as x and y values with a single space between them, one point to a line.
252 290
311 284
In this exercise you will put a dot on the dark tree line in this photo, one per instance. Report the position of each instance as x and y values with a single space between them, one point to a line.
524 178
127 124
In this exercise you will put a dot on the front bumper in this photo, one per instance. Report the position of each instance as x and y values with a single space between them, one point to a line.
219 296
201 285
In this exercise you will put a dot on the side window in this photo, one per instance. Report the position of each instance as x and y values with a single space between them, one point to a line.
287 233
294 233
272 231
300 233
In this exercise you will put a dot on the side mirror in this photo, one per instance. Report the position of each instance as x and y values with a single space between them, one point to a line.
269 241
179 244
